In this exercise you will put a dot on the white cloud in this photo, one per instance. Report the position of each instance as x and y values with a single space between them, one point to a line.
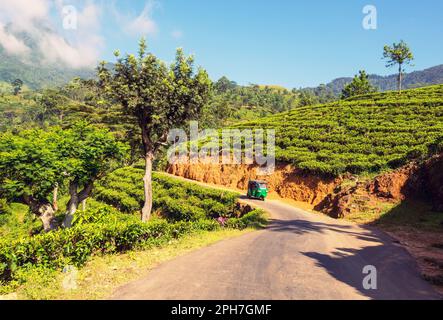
74 48
11 44
137 24
43 21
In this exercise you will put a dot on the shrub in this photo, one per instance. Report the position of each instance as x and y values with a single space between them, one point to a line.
254 219
75 246
3 206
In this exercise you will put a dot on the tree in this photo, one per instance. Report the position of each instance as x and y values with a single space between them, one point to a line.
89 153
17 86
359 85
307 98
158 97
34 162
30 167
224 84
399 54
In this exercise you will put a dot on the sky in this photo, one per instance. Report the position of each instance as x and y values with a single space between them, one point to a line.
293 43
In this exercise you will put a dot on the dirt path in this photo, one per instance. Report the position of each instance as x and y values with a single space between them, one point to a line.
299 256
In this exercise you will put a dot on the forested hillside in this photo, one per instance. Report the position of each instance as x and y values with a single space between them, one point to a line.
38 76
411 80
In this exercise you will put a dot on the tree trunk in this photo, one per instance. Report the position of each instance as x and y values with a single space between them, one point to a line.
48 217
84 205
45 211
399 78
55 198
72 205
147 183
75 199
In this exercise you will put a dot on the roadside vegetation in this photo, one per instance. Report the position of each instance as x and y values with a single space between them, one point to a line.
181 209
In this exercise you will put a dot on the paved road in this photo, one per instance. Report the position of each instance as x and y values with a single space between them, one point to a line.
299 256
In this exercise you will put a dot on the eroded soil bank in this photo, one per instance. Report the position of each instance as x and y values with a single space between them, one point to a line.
337 197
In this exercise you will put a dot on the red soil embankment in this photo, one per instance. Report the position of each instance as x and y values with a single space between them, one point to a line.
328 195
286 181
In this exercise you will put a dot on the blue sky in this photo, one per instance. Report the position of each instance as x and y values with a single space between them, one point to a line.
294 43
291 43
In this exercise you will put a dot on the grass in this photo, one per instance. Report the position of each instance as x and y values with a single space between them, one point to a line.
103 274
416 214
409 213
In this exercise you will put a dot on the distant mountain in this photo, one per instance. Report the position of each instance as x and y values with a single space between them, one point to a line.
38 76
32 72
414 79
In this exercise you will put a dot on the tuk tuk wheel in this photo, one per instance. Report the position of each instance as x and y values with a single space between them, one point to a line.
262 198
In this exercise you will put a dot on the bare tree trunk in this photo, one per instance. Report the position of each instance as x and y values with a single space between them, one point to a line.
47 215
84 205
55 198
147 183
399 78
75 199
45 211
72 205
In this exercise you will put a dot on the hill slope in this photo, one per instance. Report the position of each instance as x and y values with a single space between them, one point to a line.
367 133
37 76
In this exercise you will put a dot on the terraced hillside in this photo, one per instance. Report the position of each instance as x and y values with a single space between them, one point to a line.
363 134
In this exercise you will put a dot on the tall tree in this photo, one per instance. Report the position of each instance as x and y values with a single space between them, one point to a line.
17 86
399 54
359 85
158 97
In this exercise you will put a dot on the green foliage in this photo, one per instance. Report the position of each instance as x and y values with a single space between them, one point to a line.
34 161
74 246
232 102
365 133
17 86
3 206
158 97
359 85
255 218
399 53
30 163
175 199
89 152
16 221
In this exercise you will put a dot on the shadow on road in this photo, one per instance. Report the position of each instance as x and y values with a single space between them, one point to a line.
396 274
305 226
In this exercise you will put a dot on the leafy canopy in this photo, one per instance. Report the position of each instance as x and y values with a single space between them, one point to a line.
359 85
34 161
399 53
158 96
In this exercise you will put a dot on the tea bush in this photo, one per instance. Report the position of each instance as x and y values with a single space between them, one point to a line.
74 246
176 199
366 133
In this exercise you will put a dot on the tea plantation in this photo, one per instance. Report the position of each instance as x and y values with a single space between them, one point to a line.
111 223
362 134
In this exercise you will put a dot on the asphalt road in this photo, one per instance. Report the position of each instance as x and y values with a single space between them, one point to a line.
300 255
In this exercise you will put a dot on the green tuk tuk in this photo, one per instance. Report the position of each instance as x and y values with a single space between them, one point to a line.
257 189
